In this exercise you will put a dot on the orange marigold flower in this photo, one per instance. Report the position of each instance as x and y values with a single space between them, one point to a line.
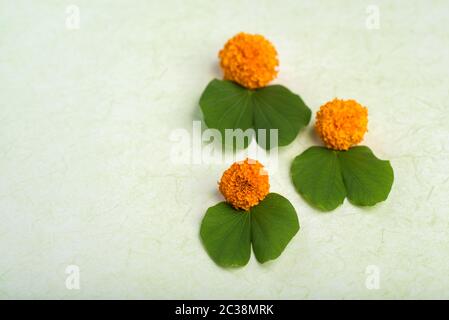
250 60
341 123
244 184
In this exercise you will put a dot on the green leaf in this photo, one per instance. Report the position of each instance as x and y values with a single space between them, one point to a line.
368 180
316 176
276 107
227 105
273 224
325 177
226 235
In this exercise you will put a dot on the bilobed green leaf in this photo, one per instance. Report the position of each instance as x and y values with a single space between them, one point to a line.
317 177
226 235
227 105
276 107
325 177
368 180
273 224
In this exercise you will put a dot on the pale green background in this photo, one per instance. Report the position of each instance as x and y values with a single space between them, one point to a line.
86 175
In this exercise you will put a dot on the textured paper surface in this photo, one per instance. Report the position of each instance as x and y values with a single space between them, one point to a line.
87 177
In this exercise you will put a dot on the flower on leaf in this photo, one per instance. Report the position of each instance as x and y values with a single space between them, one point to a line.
245 184
250 60
244 100
325 176
341 124
267 225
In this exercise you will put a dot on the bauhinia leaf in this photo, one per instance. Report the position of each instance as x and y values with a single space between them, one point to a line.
227 105
325 177
227 233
